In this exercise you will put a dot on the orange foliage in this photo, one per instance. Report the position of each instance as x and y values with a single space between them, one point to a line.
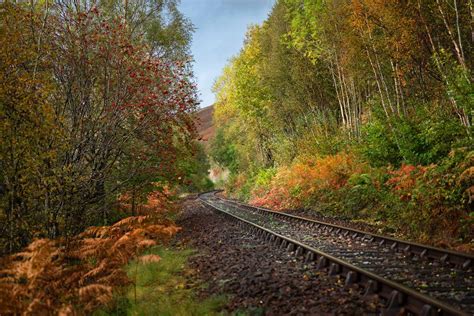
276 198
154 202
237 185
293 186
240 181
48 278
404 180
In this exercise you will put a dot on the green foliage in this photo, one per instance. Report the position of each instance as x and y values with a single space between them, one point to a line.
362 194
413 139
30 131
86 114
459 87
306 26
264 177
353 108
194 168
161 289
224 152
379 147
270 101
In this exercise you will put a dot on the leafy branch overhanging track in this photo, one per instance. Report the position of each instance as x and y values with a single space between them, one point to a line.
418 279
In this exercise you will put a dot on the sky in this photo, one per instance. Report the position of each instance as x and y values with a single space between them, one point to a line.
220 31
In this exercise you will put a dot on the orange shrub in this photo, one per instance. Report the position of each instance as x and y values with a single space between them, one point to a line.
277 198
154 201
303 181
404 180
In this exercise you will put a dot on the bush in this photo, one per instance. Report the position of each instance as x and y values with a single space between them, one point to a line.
305 183
238 186
379 148
413 139
264 177
433 201
362 194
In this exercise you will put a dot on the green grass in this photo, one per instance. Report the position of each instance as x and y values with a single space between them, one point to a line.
161 289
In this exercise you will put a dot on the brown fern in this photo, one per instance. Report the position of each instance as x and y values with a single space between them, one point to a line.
95 295
47 278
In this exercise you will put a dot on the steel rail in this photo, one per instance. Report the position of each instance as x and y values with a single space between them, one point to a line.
459 259
399 298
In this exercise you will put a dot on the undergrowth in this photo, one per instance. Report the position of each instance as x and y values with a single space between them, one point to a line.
77 275
161 288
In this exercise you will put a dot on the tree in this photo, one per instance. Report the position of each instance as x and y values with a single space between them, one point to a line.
30 133
92 110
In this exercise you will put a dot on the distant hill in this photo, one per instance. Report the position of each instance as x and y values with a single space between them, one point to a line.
205 125
206 130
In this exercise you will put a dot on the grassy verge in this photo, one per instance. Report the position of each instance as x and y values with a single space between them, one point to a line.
161 288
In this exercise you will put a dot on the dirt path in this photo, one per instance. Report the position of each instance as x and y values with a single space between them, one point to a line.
260 278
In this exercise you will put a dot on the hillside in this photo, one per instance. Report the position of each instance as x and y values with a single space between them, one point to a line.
205 124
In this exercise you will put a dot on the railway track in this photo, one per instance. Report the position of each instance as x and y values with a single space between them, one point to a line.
412 278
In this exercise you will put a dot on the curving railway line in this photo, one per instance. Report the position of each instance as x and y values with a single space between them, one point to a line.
412 278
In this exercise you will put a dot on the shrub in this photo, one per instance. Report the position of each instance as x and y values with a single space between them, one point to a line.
413 139
362 195
433 201
305 183
238 186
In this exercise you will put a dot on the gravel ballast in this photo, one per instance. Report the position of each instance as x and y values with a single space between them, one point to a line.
259 278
